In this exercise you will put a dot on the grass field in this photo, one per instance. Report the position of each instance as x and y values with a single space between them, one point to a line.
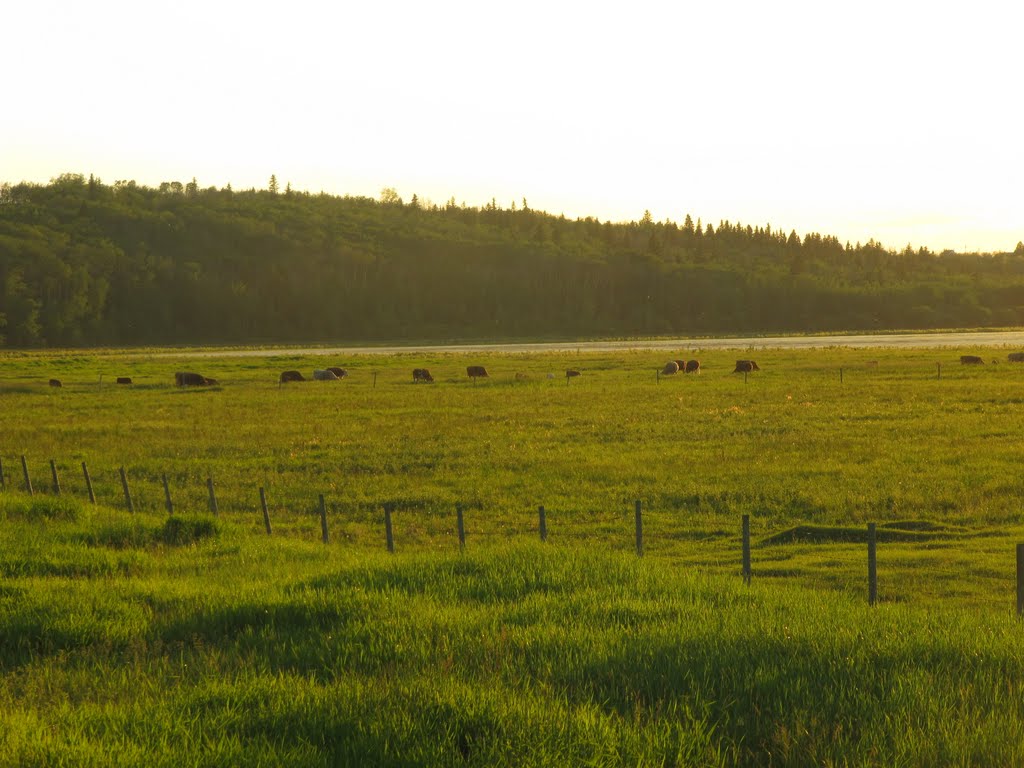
138 639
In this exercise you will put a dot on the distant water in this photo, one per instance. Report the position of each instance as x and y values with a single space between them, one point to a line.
900 340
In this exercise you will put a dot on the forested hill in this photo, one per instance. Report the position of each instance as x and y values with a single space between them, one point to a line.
82 263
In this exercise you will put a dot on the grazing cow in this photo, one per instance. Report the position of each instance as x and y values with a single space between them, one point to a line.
521 376
287 376
124 380
571 373
692 366
421 374
681 364
55 383
670 368
191 379
325 375
476 372
745 366
341 373
1016 357
971 360
872 363
551 375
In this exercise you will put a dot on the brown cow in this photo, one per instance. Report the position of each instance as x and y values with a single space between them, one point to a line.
421 374
681 364
287 376
1016 357
341 373
476 372
571 373
191 379
124 379
745 366
692 366
671 367
971 360
55 383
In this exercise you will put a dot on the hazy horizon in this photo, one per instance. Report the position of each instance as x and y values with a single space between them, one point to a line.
896 123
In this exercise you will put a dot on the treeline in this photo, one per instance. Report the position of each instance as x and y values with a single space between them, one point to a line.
86 263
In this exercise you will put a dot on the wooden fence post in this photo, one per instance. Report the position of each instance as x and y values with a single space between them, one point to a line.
639 529
872 566
213 496
543 524
323 519
1020 579
127 492
461 524
167 497
746 549
56 480
88 483
24 470
389 537
266 512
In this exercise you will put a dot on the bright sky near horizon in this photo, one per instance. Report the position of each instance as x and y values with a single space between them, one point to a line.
894 120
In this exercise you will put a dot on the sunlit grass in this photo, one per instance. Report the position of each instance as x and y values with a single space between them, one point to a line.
148 640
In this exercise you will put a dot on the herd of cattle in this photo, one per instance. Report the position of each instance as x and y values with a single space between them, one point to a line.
1013 357
672 367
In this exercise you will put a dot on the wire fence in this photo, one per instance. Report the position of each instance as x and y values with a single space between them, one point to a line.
213 507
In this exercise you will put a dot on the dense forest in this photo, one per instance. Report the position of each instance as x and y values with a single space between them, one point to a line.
86 263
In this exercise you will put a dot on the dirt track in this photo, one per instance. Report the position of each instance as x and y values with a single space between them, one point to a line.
907 340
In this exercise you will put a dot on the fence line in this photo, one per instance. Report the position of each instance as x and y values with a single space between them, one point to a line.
745 554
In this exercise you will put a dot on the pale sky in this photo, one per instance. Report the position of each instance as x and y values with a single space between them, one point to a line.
901 121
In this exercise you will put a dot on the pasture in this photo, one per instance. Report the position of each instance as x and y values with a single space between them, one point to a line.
209 640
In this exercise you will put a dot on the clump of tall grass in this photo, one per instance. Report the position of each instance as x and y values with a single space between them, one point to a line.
129 533
182 530
40 508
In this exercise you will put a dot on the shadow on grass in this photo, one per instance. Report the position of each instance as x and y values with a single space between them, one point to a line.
906 530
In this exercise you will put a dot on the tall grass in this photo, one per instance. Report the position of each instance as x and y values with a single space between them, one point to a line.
147 640
250 651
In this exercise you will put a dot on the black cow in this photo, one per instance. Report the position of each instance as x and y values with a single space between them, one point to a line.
692 366
971 360
124 380
55 383
746 366
341 373
671 368
572 373
421 374
476 372
287 376
1016 357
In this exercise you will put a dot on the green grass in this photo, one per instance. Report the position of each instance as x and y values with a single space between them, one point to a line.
193 640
